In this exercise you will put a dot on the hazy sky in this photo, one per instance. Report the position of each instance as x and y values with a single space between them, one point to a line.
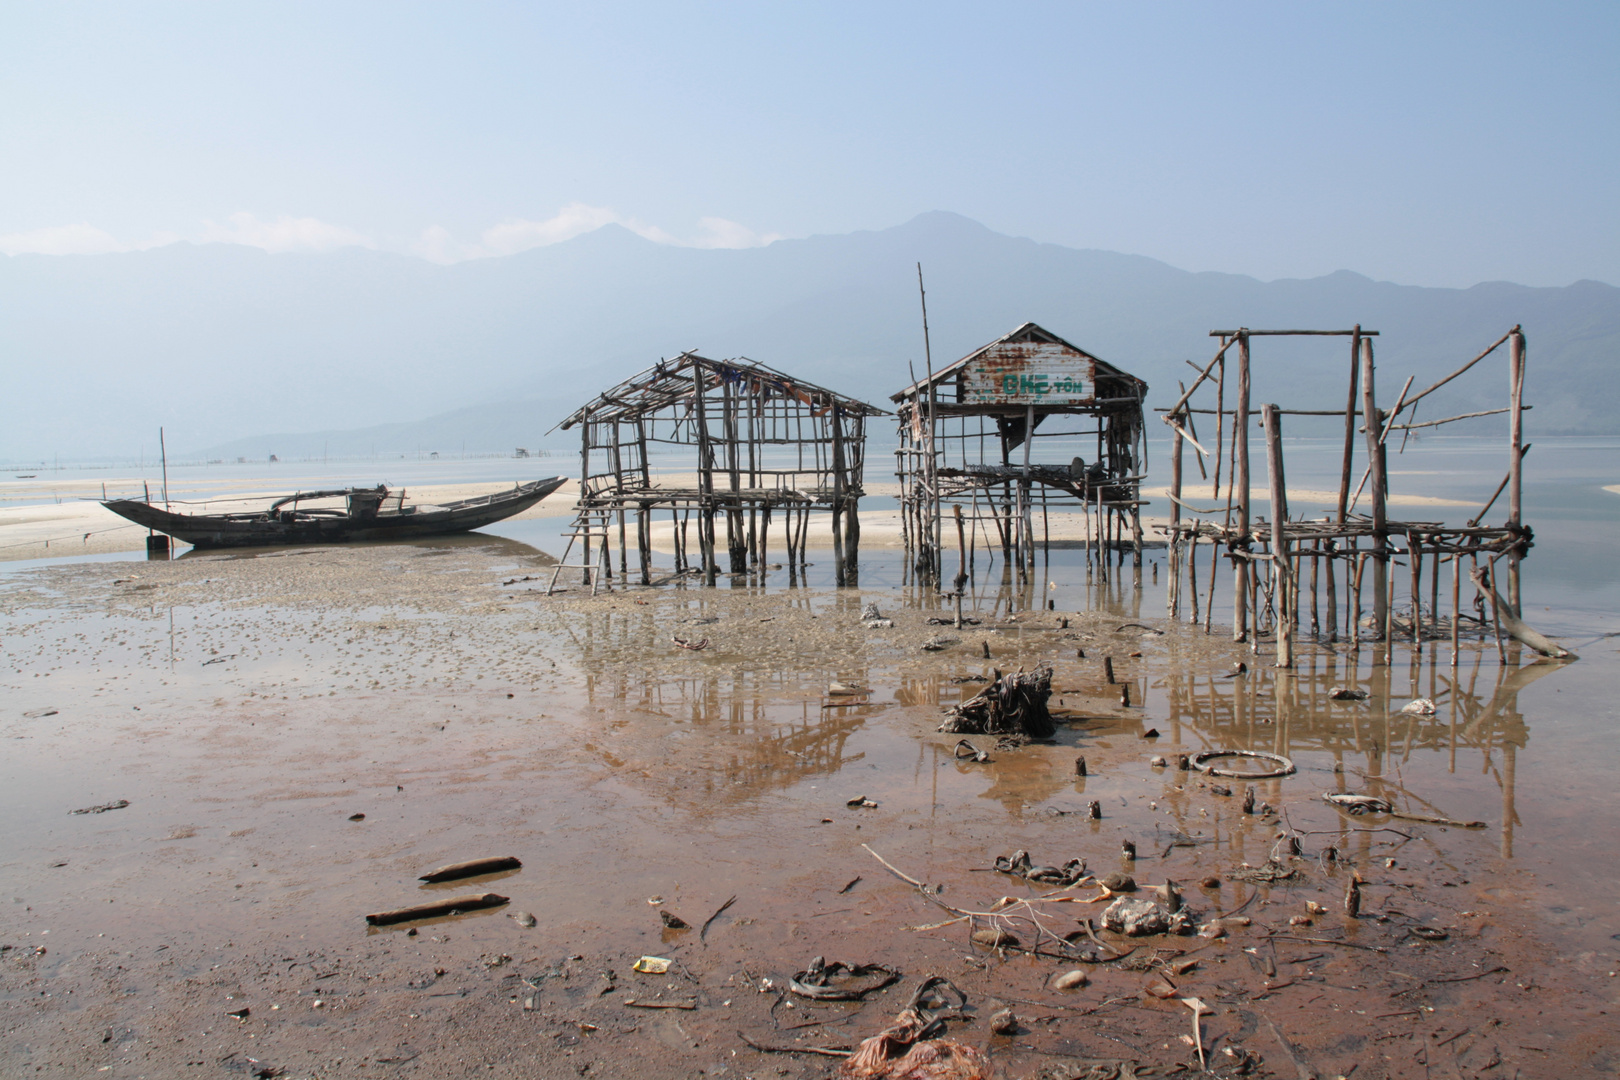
1434 143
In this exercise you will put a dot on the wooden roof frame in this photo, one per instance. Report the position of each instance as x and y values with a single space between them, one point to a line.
1029 331
670 381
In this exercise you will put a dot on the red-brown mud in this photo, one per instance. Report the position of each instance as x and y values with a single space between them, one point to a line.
249 708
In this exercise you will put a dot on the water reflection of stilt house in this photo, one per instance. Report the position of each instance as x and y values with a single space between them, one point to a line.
764 448
967 435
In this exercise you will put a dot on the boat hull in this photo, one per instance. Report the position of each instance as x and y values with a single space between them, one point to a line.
261 530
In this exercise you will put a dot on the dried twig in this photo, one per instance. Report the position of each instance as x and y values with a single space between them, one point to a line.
718 911
825 1051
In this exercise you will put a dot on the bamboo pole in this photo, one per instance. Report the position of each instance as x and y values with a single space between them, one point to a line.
1376 470
839 567
1456 607
1241 570
1515 457
1173 589
705 477
1282 565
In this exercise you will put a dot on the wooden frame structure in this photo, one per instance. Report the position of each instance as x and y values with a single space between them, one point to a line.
961 427
763 443
1269 559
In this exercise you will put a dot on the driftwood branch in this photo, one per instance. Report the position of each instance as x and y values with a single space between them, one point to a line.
1516 627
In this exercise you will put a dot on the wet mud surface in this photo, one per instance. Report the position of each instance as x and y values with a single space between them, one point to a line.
252 709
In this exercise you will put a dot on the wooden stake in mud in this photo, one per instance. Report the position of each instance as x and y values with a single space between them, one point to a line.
705 478
1173 591
840 570
1456 605
1374 424
1281 561
1515 456
1241 569
961 564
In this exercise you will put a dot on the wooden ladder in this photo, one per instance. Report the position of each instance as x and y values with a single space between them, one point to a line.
591 523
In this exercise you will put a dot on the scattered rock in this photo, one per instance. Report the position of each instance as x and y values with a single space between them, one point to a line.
525 919
1118 882
1135 918
1071 980
1004 1022
1347 693
1419 707
674 922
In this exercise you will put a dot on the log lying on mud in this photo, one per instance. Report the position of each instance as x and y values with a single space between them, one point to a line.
455 905
1516 627
1013 704
472 868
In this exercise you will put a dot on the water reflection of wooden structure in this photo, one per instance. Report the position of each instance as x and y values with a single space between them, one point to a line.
1277 563
771 739
762 444
962 426
1293 715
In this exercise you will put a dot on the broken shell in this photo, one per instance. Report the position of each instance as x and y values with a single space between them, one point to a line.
524 919
1004 1022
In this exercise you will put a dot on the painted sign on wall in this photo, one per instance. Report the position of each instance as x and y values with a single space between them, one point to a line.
1029 372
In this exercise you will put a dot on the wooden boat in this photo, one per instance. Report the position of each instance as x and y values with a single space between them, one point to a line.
367 514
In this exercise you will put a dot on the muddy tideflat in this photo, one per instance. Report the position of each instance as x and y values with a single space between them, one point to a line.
249 707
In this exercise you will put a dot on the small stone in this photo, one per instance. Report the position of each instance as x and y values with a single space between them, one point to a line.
1004 1022
317 1004
1118 882
357 817
1070 980
1158 762
1299 920
524 919
1211 882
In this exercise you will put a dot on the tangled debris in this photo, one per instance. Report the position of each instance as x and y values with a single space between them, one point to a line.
1018 865
908 1050
1013 704
854 981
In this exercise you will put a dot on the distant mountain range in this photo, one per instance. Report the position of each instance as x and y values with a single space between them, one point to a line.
237 352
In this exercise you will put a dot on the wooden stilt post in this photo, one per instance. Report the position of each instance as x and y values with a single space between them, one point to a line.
1414 556
836 423
700 378
1242 570
1173 588
1192 570
584 494
1456 606
1281 558
1515 457
1373 420
852 522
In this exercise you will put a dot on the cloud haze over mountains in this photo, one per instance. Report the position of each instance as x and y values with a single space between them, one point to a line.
491 341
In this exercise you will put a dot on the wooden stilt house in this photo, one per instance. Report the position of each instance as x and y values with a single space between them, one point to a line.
738 445
968 442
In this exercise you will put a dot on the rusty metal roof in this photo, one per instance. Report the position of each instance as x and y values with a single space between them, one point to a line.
670 381
1027 333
